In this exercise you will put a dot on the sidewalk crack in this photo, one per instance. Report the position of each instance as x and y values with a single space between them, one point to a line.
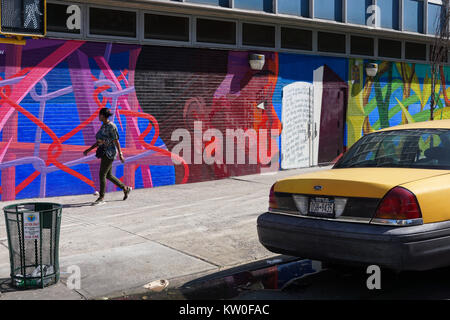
237 179
167 246
188 254
64 281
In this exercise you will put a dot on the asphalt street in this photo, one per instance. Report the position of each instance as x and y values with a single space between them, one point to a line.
347 283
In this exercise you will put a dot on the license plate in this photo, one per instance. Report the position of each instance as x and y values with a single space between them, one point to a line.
321 207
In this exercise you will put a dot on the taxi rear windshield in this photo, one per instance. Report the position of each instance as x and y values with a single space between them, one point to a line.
415 148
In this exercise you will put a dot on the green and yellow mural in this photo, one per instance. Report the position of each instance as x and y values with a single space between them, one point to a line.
400 93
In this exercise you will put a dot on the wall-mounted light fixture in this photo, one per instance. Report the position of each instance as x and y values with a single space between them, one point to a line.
256 61
371 69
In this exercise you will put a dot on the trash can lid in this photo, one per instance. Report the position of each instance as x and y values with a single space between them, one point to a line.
32 206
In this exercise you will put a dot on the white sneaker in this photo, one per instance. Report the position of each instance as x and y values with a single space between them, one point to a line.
98 202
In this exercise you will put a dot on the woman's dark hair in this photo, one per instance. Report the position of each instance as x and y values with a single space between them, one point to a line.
105 112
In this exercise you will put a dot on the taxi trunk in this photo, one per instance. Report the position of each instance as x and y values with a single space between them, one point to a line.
351 194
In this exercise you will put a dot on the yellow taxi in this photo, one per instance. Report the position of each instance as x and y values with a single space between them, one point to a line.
386 201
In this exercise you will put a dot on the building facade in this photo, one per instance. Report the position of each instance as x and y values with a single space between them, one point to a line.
208 89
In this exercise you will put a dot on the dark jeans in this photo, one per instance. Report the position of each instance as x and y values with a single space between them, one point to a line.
106 173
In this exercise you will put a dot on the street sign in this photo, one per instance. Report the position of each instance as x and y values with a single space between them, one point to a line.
23 17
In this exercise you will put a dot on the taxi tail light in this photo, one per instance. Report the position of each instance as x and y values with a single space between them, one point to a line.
398 204
272 199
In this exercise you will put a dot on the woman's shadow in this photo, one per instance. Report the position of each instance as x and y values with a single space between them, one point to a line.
84 204
77 205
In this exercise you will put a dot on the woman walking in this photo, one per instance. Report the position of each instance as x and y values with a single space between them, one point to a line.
107 146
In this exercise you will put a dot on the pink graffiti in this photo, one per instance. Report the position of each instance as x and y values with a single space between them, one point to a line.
57 156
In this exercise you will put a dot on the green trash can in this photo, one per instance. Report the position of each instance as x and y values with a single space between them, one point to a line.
33 242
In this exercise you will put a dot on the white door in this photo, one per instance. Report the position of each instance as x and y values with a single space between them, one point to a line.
317 113
296 118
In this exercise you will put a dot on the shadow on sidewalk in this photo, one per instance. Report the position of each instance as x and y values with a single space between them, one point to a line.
86 204
77 205
6 286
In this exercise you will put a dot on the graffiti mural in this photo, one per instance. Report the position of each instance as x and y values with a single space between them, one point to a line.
327 76
218 91
51 92
400 93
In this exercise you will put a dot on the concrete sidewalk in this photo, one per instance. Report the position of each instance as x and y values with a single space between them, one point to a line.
178 233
